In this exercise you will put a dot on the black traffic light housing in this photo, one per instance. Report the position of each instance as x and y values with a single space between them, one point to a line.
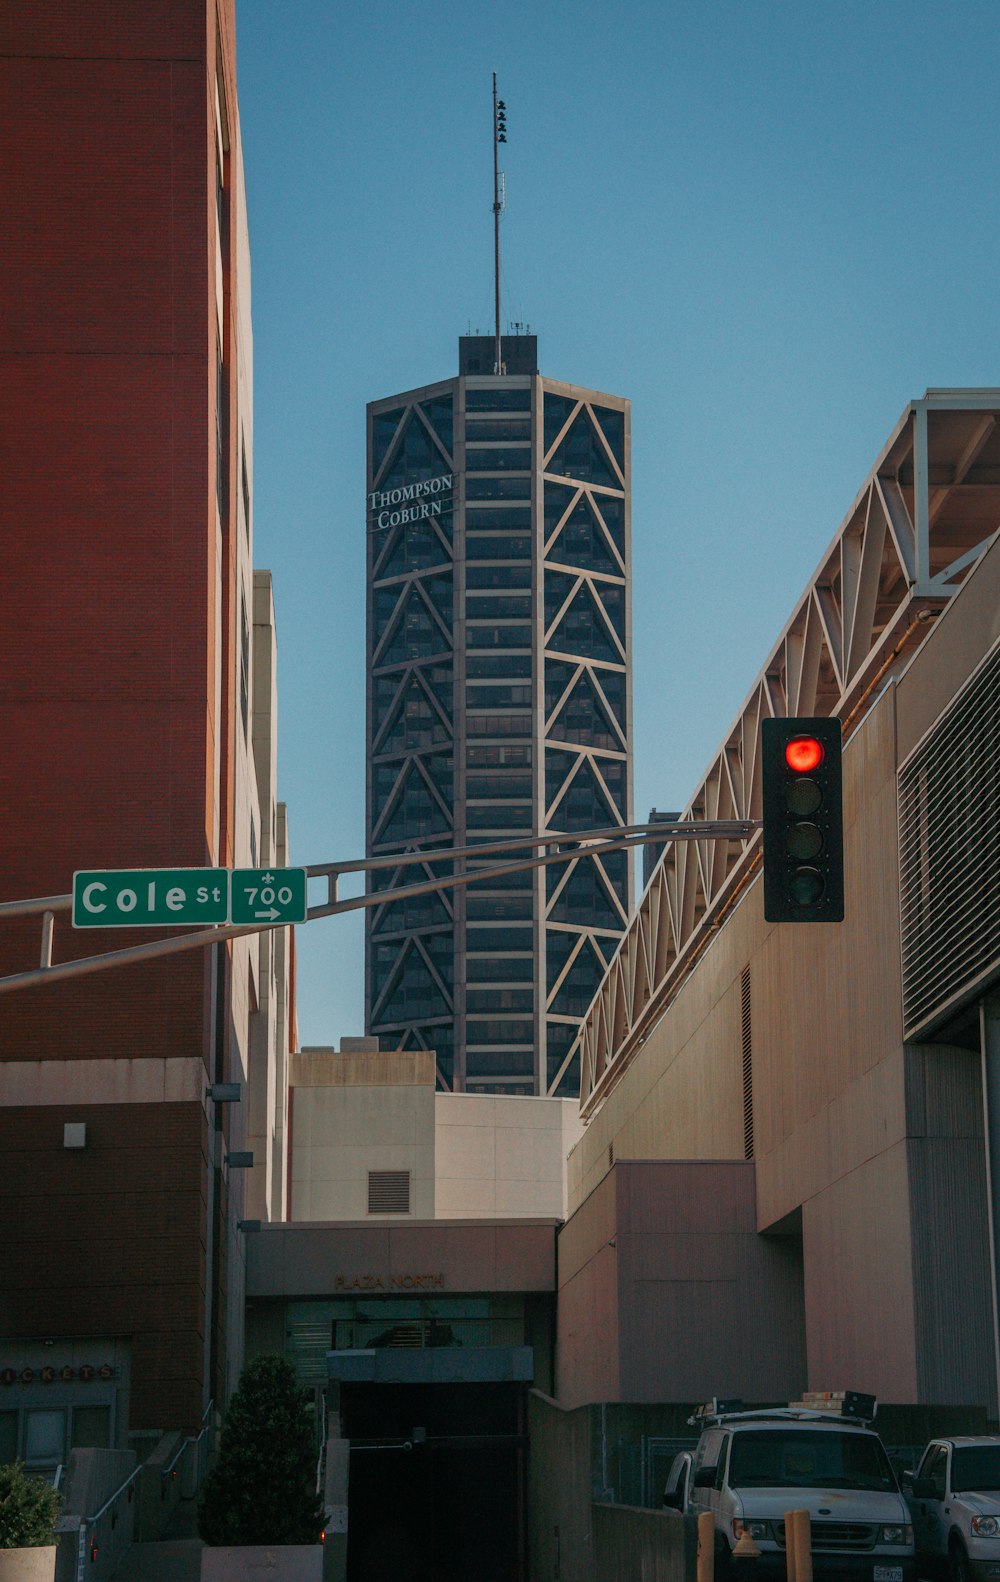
803 821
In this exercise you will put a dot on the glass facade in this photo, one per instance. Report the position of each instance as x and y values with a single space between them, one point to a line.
362 1323
498 705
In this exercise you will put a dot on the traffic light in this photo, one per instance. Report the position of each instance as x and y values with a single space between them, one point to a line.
803 821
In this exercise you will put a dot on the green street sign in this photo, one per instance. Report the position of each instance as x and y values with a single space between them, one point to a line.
150 897
268 895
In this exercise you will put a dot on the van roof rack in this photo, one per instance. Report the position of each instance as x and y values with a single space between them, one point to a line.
714 1409
816 1405
839 1403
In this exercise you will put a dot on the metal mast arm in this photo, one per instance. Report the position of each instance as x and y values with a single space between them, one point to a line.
497 365
567 847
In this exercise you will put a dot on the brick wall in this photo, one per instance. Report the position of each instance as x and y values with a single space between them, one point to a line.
116 731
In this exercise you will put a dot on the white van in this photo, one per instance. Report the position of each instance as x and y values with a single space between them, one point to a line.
750 1468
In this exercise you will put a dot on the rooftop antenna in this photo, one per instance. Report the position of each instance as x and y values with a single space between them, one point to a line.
499 136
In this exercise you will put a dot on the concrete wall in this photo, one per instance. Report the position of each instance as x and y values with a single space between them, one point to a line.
502 1156
587 1315
348 1126
657 1546
560 1542
92 1477
437 1255
667 1292
470 1156
885 1188
281 1563
580 1527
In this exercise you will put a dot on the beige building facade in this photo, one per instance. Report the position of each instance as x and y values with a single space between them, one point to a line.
841 1070
370 1139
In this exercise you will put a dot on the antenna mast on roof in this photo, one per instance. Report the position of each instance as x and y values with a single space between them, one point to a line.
499 136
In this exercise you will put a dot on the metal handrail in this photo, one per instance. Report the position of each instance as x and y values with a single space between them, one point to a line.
192 1439
87 1523
90 1520
321 1460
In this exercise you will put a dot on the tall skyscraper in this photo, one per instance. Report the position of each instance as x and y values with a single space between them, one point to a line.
499 703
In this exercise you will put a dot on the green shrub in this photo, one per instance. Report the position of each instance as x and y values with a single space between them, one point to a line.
28 1509
262 1489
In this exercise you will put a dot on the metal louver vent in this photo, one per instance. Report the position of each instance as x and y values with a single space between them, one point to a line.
746 1030
949 854
307 1342
388 1191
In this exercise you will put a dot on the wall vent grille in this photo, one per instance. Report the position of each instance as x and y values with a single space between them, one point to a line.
746 1031
388 1191
949 853
306 1345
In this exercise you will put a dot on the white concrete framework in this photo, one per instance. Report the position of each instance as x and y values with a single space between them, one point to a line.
924 516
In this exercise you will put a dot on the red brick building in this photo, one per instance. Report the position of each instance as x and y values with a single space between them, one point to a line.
130 714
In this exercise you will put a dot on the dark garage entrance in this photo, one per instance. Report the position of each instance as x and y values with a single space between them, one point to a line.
436 1481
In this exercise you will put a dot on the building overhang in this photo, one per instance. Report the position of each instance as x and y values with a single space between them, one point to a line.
402 1258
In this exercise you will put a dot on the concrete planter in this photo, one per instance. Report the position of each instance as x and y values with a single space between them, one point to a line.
263 1563
28 1565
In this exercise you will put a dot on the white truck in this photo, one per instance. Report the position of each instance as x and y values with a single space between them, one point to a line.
751 1467
954 1498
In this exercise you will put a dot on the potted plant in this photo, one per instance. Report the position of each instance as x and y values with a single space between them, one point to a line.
28 1510
260 1499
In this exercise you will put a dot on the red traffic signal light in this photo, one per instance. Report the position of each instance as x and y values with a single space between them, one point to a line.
803 821
803 754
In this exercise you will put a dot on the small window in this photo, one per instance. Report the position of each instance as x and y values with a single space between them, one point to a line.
45 1437
496 458
484 487
497 398
91 1427
936 1468
388 1191
709 1452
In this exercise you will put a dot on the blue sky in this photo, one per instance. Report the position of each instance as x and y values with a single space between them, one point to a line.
770 225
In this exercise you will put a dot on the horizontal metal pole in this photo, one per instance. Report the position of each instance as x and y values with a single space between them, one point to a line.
679 829
453 881
45 903
663 829
574 847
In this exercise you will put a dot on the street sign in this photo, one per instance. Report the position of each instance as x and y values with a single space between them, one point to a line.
268 895
150 897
